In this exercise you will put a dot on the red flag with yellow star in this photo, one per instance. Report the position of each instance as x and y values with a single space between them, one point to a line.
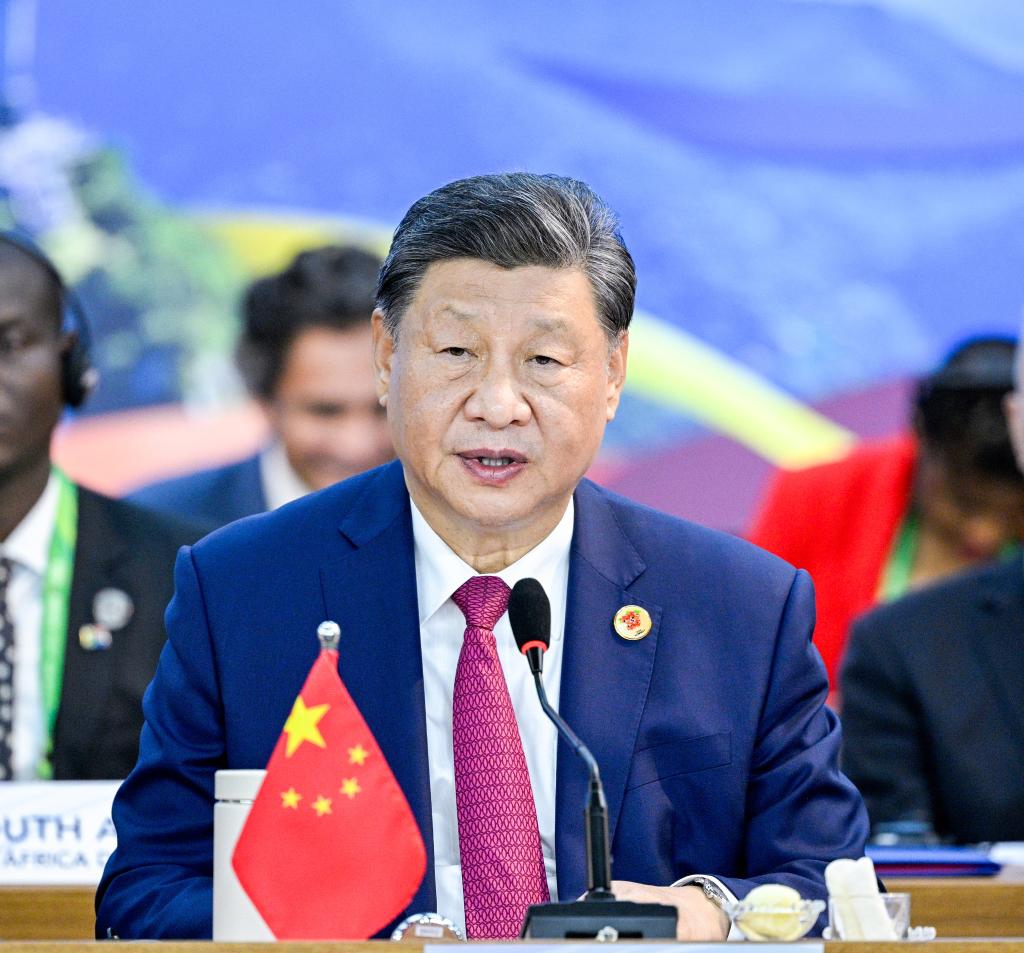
330 850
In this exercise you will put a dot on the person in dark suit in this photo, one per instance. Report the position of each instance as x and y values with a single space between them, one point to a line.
302 353
217 495
933 689
123 576
934 708
83 578
682 656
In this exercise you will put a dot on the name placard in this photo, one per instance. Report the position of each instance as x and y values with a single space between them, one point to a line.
55 832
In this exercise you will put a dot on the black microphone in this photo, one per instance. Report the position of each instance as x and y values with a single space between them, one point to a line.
529 612
598 914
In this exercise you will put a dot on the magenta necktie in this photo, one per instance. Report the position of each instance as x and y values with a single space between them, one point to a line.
499 843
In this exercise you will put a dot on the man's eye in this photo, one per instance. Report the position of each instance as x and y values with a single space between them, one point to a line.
326 410
455 351
12 340
543 360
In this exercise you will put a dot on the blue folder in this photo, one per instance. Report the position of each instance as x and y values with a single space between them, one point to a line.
932 862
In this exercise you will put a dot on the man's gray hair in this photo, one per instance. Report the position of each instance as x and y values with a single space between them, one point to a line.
510 220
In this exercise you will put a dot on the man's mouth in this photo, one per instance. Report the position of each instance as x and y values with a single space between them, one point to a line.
492 466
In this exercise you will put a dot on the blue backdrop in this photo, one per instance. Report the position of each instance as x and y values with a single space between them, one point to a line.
826 194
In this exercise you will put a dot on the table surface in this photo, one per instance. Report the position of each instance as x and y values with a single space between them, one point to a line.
936 946
955 906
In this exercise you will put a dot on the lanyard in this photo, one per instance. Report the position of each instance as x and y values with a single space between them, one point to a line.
895 579
56 596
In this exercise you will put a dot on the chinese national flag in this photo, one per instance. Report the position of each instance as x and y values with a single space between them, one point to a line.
330 850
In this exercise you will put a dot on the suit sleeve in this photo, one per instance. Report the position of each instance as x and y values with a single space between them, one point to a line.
158 883
802 811
884 748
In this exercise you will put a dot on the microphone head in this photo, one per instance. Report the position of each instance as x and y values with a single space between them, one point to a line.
529 612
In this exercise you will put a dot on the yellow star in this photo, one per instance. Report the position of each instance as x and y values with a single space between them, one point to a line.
302 726
350 788
322 805
290 798
358 755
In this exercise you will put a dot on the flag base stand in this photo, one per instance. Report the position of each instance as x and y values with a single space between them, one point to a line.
600 919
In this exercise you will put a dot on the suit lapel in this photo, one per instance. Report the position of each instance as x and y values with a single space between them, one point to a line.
998 641
605 679
370 591
88 677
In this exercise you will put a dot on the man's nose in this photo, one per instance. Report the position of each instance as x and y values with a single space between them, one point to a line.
498 399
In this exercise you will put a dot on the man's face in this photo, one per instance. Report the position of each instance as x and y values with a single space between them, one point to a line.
31 347
499 388
325 410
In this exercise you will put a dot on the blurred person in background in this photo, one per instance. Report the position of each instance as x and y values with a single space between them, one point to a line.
933 700
899 513
84 579
303 354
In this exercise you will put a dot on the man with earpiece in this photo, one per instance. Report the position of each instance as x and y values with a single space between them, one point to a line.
84 579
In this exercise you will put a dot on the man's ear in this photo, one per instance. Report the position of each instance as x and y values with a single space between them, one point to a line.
67 341
383 353
616 373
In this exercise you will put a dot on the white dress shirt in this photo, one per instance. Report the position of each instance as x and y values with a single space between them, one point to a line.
439 572
28 548
281 484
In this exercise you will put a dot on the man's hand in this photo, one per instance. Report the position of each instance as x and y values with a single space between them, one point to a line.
699 918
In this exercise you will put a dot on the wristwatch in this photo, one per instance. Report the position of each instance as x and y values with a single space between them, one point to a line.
712 891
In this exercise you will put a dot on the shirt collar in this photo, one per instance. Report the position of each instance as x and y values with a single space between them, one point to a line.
439 571
29 543
281 484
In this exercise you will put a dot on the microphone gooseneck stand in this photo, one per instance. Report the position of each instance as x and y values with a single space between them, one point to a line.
599 865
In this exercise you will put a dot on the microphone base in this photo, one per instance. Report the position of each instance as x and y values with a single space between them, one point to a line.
600 919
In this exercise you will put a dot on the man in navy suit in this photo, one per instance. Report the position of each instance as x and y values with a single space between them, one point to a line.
924 764
681 656
302 353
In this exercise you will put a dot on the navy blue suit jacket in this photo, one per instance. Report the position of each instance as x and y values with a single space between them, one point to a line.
212 497
717 752
916 755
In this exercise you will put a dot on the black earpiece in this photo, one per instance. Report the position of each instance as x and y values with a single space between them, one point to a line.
78 376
